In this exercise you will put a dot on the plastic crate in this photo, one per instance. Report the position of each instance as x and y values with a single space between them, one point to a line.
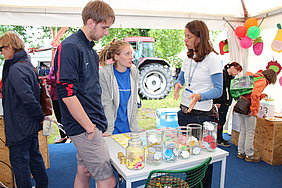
166 117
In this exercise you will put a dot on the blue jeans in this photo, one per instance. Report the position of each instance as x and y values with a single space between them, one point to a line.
26 159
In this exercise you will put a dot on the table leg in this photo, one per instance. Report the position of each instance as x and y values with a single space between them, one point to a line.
223 168
128 183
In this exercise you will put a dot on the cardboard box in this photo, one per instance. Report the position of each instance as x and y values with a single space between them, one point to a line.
166 117
6 176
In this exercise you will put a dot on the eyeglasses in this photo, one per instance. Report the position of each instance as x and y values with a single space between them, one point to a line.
1 48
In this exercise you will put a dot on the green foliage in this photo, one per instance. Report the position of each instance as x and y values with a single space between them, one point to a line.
169 43
121 33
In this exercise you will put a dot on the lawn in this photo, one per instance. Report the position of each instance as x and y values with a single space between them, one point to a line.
146 114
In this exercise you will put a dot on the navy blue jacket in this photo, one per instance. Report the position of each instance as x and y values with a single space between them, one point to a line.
77 74
22 110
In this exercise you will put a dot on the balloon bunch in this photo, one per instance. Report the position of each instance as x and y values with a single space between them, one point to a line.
249 35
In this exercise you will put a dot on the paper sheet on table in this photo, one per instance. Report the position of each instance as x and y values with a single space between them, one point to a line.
122 139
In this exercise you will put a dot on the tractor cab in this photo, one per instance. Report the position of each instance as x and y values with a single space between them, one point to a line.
142 46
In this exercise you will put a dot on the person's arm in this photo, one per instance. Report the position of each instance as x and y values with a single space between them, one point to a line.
20 80
67 84
216 91
178 84
107 101
78 113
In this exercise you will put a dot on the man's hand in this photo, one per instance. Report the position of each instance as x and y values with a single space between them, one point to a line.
177 88
90 133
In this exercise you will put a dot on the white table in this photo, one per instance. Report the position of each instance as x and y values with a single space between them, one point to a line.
136 175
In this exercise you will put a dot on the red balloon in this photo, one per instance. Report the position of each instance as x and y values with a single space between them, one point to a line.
240 31
246 42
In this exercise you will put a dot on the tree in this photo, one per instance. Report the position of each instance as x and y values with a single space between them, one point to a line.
169 43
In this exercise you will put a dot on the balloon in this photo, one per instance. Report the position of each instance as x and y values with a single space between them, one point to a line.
240 31
253 32
250 22
246 42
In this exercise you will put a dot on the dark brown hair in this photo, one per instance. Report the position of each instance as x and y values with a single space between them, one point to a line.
99 11
270 75
234 64
204 47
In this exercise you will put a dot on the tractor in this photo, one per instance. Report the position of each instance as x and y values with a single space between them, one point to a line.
155 79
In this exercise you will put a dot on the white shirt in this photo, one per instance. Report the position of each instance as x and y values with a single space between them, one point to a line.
198 75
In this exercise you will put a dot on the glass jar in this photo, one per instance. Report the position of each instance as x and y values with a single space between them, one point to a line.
209 135
154 146
135 153
170 145
183 148
195 138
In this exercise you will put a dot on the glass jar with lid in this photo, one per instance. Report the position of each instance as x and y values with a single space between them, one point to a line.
154 146
209 135
195 138
135 153
170 145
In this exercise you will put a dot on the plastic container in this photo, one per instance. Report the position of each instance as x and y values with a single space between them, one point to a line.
154 147
209 135
183 148
170 145
135 153
195 138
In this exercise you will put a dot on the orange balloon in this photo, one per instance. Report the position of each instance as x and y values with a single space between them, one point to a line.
250 22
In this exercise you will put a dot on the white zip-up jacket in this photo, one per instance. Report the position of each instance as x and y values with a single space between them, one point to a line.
110 97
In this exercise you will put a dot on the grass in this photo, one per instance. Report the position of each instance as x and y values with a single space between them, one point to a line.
146 114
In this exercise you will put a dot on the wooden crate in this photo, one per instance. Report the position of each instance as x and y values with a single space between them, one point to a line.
5 172
267 141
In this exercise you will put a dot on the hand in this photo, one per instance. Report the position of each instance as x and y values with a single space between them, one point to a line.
47 118
195 98
105 134
90 133
177 88
218 105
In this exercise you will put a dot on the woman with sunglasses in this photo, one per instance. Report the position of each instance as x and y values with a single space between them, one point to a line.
23 114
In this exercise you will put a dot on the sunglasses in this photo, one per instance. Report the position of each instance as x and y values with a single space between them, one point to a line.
1 48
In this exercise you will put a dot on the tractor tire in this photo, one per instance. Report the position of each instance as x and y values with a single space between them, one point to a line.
155 81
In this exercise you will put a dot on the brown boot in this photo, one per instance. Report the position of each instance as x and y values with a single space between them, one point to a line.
241 155
253 158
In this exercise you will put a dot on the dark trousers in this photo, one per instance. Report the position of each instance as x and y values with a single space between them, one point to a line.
57 112
222 112
26 159
185 119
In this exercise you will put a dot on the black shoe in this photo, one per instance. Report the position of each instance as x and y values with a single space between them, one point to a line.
223 143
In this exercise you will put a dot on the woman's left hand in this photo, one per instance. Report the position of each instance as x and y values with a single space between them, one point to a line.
195 98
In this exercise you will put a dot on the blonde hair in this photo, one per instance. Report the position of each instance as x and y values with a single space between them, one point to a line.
109 52
99 11
10 38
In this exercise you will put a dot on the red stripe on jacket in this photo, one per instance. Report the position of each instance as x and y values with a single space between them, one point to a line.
59 63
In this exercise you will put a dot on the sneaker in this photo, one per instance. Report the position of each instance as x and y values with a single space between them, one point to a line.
241 155
223 143
254 159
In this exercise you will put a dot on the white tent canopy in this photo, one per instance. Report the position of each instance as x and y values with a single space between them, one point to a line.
163 14
158 14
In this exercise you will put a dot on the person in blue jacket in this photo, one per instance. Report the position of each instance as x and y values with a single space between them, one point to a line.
79 91
23 115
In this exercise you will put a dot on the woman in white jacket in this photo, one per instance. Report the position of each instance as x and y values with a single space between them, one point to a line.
119 83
